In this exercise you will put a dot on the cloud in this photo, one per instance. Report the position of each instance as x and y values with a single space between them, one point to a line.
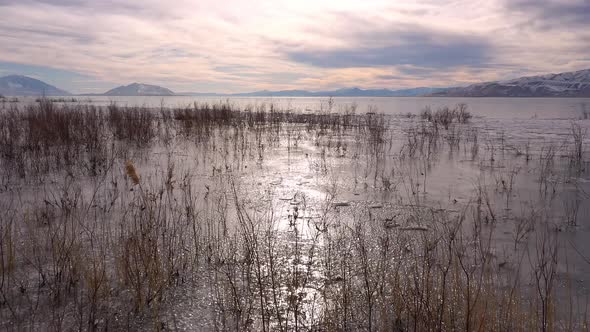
550 14
412 45
235 46
388 77
47 33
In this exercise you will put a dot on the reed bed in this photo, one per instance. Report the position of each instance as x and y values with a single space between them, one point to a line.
107 212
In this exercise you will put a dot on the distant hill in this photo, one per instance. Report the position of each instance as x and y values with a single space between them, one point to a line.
16 85
356 92
570 84
347 92
139 89
281 93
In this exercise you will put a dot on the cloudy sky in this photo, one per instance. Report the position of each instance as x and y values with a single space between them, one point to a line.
238 45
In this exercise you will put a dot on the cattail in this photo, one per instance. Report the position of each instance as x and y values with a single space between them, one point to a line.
131 172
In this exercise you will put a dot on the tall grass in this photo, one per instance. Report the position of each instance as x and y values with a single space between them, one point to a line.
115 208
445 116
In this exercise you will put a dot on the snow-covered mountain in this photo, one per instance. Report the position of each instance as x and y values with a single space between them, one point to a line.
570 84
139 89
17 85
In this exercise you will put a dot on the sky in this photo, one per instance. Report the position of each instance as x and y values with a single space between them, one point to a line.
90 46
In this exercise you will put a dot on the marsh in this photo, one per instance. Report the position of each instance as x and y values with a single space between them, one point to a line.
294 214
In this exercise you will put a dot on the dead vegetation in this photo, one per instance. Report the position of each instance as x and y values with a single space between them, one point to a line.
105 211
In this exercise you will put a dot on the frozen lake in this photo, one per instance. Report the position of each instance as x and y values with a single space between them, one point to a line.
317 180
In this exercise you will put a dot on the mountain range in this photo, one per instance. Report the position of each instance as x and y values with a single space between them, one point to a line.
139 89
348 92
17 85
569 84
